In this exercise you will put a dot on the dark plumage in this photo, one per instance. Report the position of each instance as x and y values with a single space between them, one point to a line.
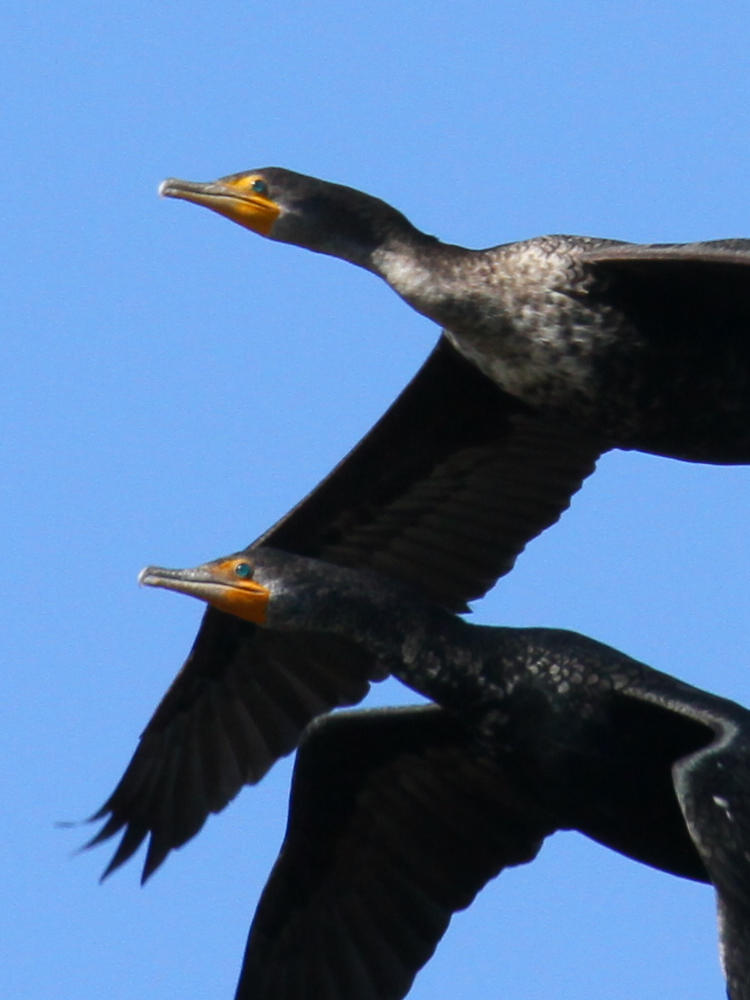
637 346
442 494
589 345
398 818
446 489
398 503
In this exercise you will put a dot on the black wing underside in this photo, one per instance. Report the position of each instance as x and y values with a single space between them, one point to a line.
690 306
688 293
446 489
443 493
241 701
629 803
394 824
397 819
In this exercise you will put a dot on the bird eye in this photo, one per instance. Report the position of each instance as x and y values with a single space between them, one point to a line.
243 569
259 186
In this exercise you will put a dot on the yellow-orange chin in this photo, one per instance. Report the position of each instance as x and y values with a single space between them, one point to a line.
232 197
225 584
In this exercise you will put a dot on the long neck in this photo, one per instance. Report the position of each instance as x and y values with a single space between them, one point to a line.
432 651
426 648
445 282
440 280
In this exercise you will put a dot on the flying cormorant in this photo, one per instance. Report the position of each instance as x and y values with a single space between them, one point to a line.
397 819
451 483
638 346
442 494
397 504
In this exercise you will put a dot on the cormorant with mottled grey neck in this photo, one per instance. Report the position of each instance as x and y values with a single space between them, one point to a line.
637 346
398 818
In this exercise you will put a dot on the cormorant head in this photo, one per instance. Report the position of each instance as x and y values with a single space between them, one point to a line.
228 584
262 585
294 208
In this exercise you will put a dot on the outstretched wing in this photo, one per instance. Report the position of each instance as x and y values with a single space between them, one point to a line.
689 308
242 701
443 493
446 489
395 823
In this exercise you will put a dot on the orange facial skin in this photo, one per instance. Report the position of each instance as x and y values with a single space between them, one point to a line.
239 197
226 584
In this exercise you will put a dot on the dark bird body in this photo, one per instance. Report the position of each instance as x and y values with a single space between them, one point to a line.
603 345
638 346
398 818
396 504
442 494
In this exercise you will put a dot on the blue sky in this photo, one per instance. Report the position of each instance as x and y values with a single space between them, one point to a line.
172 384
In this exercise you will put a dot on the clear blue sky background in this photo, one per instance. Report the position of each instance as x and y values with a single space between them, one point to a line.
172 384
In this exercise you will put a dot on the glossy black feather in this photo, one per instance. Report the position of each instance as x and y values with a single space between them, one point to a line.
391 818
443 493
394 810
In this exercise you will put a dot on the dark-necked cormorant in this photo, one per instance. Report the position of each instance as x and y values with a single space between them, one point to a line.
640 346
442 494
398 504
398 818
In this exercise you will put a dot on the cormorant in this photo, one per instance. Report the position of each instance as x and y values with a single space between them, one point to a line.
442 494
398 818
451 483
638 346
397 504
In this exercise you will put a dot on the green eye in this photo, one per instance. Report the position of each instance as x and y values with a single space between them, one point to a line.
243 569
259 186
